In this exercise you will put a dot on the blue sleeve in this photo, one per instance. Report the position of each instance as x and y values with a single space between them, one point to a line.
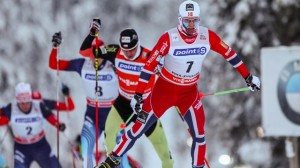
50 103
6 111
46 112
75 65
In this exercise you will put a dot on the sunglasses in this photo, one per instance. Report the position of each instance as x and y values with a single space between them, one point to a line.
186 21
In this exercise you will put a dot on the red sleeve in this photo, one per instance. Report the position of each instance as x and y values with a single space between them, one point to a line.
219 46
63 64
36 95
69 106
52 120
88 44
160 49
3 119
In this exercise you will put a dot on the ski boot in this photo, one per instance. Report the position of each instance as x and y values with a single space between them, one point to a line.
110 162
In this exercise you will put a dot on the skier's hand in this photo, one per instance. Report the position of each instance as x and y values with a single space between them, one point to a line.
61 127
56 39
253 82
65 90
98 52
95 26
136 103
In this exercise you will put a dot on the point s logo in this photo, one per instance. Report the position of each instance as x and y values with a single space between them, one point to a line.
189 51
129 67
107 77
288 91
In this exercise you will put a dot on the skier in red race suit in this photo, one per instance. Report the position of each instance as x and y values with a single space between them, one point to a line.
184 49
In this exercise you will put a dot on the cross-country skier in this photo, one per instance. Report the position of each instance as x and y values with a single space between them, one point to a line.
67 106
25 118
129 57
108 91
184 49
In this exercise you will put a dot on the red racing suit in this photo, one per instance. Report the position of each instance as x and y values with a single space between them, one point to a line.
177 85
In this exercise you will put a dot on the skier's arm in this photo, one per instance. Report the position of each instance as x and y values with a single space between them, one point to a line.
3 119
88 44
64 106
5 114
229 54
160 49
47 114
63 64
88 48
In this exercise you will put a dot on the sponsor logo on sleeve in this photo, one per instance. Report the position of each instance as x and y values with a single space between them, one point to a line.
111 49
224 45
152 57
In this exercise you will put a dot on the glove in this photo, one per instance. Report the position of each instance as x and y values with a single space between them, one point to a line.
95 26
137 102
61 127
252 82
56 39
65 90
99 52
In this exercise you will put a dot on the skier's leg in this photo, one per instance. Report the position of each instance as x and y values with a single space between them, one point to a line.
195 119
112 127
22 158
88 134
44 156
113 133
87 142
143 122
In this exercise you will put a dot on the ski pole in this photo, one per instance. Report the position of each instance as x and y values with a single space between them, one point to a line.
3 136
72 149
57 103
97 94
224 92
123 125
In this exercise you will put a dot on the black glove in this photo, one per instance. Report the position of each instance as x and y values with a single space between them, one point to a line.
65 90
95 26
99 52
137 102
252 82
61 127
56 39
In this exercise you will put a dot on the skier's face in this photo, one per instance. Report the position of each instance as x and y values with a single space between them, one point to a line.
190 25
129 54
24 106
